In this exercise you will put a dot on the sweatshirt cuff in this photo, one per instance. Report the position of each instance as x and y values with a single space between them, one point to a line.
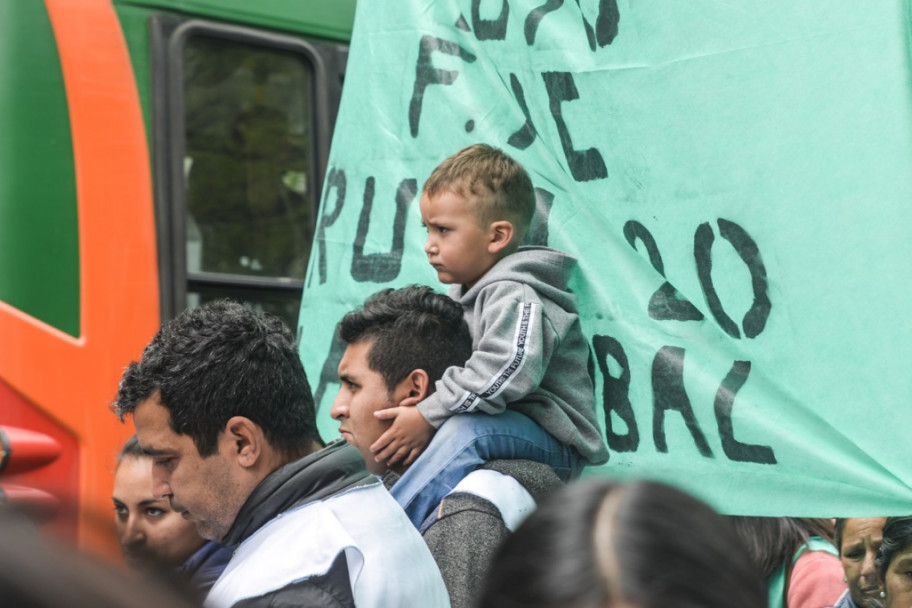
434 412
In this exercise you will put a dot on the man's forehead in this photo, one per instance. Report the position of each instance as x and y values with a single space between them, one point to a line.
355 358
149 442
153 427
150 414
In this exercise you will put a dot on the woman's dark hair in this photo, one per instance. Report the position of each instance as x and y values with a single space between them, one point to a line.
132 449
598 542
897 535
772 541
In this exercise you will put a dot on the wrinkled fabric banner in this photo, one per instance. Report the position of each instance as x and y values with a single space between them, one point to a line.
735 181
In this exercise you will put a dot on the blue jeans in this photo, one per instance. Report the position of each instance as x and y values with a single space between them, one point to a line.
466 441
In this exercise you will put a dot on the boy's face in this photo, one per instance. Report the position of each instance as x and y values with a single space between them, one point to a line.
457 244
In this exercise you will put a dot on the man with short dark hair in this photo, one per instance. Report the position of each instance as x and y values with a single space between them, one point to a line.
400 342
221 402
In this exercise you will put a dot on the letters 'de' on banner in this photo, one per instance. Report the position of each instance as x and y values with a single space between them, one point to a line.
734 179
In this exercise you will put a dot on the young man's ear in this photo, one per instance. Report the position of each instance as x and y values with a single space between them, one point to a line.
414 388
245 440
500 235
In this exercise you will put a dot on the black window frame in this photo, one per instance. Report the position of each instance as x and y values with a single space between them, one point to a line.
168 38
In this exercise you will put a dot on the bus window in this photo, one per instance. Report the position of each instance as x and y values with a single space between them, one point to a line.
248 135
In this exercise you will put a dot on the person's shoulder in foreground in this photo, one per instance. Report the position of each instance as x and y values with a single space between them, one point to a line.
476 518
221 402
817 580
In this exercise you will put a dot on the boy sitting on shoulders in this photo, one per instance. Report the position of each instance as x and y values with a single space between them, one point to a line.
530 360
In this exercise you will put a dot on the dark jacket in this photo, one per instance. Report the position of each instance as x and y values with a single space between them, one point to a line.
845 601
205 566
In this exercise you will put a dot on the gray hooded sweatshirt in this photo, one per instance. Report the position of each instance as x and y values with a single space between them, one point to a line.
529 352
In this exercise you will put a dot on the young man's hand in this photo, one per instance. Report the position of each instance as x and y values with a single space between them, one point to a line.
405 440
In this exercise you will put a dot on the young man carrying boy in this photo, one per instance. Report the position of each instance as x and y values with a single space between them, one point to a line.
398 345
529 353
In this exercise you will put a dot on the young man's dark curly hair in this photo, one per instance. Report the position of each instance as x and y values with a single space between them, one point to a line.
411 328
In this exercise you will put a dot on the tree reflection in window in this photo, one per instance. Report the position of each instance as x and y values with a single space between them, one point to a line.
248 157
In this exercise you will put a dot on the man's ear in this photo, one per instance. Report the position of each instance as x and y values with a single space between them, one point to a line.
414 388
245 439
500 235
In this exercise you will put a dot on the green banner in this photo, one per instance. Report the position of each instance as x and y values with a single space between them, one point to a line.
735 181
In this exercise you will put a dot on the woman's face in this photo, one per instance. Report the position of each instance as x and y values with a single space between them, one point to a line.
151 534
861 537
898 580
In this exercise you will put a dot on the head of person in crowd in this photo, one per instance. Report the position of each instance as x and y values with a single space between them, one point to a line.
796 557
477 206
152 535
894 562
39 572
858 539
773 541
219 400
399 343
637 544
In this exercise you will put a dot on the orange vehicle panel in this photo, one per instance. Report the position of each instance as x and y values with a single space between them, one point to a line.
73 380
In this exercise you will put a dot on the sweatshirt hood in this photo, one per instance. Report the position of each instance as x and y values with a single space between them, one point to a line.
546 270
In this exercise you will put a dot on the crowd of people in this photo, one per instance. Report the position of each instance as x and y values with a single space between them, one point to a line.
465 423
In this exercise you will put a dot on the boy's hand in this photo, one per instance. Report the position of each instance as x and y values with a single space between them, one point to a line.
405 440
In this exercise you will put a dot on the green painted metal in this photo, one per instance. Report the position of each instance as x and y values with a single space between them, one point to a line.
39 240
134 21
330 19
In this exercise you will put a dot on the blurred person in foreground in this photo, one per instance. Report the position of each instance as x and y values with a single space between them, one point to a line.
858 539
154 537
639 544
796 557
42 573
894 562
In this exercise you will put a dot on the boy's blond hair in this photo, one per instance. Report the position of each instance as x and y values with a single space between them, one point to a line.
497 185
